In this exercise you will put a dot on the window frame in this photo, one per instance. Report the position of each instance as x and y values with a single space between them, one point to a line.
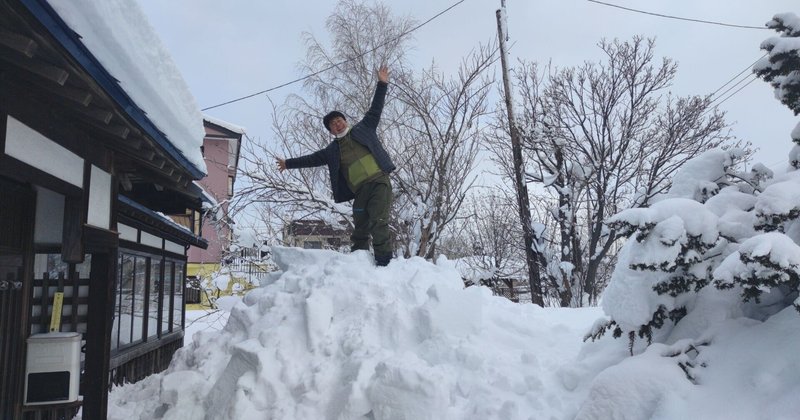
163 306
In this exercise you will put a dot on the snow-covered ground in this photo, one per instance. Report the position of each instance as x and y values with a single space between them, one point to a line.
333 337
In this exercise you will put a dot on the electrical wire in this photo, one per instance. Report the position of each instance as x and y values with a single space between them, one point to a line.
736 91
300 79
749 66
677 17
733 86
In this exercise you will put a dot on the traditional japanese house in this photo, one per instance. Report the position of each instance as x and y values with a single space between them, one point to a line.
99 142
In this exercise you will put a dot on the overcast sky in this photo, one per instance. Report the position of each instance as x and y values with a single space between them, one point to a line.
230 49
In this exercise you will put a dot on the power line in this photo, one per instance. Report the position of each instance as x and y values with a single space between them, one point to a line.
733 86
677 17
736 91
749 66
339 63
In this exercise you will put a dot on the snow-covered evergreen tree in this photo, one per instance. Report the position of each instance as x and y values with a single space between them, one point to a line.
770 261
715 226
675 244
781 66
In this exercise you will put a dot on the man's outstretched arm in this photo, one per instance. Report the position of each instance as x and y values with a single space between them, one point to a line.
373 116
308 161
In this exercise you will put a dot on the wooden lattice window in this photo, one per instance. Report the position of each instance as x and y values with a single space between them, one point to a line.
52 275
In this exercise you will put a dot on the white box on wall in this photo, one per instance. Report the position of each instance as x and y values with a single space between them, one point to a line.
53 368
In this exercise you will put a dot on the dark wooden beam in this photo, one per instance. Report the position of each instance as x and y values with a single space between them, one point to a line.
23 172
148 153
158 162
100 114
99 239
79 96
72 236
102 295
118 132
19 43
29 82
135 143
38 67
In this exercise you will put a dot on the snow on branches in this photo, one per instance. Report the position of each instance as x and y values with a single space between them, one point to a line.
764 262
717 226
780 66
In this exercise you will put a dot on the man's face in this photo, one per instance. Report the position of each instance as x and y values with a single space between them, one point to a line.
337 125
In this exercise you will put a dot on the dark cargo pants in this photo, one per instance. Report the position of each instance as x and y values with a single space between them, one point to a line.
371 217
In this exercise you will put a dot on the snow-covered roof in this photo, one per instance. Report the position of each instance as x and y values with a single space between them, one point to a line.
224 124
207 198
118 36
166 223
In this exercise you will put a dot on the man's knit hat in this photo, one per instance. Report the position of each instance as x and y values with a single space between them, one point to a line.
331 115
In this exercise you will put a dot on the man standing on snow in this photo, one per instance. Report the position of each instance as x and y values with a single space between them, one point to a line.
359 169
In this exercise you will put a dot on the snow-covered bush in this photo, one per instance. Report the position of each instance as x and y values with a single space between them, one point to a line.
715 226
675 244
762 263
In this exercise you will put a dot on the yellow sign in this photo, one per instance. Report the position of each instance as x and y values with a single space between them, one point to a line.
55 318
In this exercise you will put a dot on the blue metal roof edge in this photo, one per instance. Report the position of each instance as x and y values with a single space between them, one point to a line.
70 40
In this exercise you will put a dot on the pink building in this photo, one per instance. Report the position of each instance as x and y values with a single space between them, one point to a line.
221 147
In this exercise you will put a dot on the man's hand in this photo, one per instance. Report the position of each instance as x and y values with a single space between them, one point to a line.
383 74
281 164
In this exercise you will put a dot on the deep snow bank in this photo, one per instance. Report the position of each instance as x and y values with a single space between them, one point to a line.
332 337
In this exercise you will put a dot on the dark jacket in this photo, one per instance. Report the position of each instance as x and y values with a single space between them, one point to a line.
363 132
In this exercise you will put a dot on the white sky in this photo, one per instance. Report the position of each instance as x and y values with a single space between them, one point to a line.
230 49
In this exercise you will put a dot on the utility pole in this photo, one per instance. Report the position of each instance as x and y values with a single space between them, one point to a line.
523 202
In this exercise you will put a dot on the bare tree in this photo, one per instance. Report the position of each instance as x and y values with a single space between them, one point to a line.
493 232
603 137
442 129
343 78
429 125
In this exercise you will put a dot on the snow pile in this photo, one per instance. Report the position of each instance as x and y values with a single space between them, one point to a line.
332 337
741 369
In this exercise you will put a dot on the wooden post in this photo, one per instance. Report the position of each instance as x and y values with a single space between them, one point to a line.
523 202
72 240
102 280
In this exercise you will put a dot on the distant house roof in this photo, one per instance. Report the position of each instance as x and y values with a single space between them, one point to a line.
114 43
224 124
314 228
